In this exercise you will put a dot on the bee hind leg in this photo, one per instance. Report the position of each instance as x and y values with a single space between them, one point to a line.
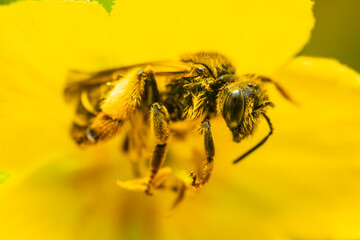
159 119
128 148
208 163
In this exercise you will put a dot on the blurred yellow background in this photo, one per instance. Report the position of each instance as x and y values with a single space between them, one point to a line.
304 183
337 32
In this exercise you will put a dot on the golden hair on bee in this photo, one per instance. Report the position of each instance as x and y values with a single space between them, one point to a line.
196 88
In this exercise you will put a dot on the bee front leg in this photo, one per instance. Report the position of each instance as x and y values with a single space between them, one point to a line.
159 118
208 163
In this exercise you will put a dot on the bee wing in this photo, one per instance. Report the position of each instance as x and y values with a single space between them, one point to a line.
78 81
91 123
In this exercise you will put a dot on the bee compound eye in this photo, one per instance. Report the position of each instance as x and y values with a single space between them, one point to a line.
233 110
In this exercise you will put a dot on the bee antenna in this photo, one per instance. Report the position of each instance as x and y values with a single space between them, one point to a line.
283 92
260 143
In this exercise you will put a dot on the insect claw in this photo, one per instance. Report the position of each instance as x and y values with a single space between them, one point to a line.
198 184
193 176
148 190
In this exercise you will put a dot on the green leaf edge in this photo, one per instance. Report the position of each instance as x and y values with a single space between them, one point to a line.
106 4
4 176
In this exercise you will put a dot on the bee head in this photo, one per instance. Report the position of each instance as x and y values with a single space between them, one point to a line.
241 104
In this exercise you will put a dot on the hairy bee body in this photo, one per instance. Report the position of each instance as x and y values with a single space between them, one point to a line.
195 89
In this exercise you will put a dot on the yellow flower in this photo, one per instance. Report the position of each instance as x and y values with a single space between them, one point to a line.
303 184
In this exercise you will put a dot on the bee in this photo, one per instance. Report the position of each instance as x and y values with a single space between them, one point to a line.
196 88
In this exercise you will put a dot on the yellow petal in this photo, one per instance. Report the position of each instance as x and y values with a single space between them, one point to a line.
304 180
329 96
39 41
323 136
66 199
140 184
305 175
259 36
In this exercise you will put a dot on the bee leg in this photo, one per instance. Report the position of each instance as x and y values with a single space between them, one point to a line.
151 92
134 158
208 163
134 142
159 119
